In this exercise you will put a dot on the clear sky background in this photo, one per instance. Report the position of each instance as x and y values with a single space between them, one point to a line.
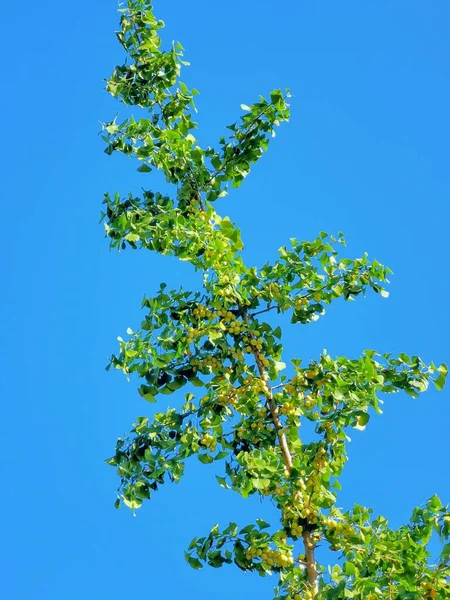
366 152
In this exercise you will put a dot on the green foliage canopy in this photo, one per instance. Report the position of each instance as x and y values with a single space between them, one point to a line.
243 405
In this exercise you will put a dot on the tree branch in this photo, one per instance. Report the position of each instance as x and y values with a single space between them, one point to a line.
311 569
310 561
287 457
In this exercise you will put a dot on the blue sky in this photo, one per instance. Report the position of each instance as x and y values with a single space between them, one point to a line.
366 152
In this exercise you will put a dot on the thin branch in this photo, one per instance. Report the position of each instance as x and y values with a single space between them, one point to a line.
309 543
313 573
264 310
287 457
249 130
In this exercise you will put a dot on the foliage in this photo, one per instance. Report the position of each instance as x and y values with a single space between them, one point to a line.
243 405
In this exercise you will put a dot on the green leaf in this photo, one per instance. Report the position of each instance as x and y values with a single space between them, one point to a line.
361 420
177 383
350 569
443 369
231 530
434 503
193 562
132 237
260 484
166 390
247 529
133 504
193 544
206 459
279 365
262 524
277 332
144 169
220 455
222 482
276 96
439 382
148 393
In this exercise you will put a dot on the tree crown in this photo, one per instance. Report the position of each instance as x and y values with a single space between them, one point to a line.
243 405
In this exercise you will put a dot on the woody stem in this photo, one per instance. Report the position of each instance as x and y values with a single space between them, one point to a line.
312 572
